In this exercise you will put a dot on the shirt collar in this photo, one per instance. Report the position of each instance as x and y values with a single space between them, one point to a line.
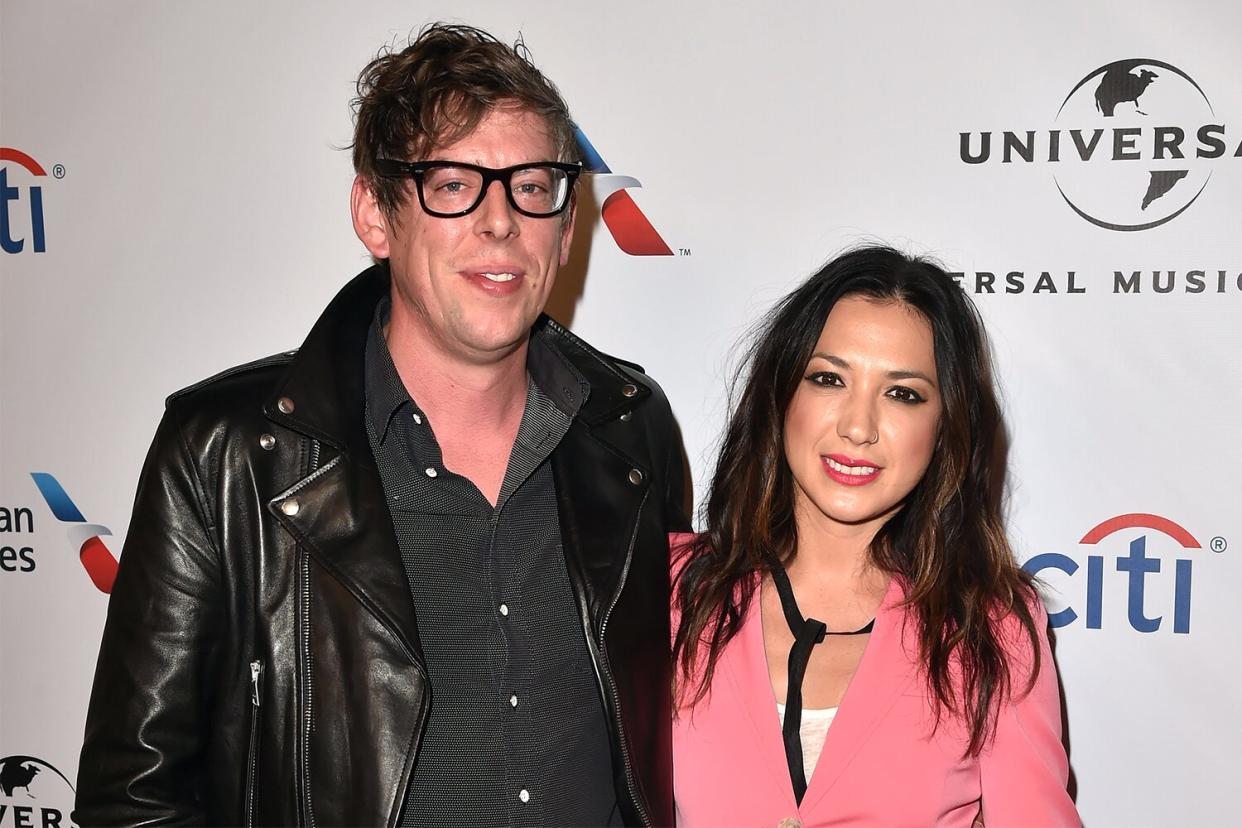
386 394
385 391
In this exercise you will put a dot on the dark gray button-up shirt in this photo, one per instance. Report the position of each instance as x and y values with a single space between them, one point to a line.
516 734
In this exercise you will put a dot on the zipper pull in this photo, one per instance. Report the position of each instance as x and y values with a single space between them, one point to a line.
256 670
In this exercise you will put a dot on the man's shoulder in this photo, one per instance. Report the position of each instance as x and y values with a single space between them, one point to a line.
615 382
240 388
578 349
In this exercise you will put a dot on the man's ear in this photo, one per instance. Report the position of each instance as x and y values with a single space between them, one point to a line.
369 221
567 230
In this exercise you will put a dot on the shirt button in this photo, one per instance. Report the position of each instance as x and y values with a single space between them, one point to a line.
504 609
418 419
524 795
430 471
513 701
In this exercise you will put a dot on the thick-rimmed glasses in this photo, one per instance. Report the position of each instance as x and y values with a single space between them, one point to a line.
448 189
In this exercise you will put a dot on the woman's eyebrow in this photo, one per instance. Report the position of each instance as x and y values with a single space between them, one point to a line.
835 360
900 374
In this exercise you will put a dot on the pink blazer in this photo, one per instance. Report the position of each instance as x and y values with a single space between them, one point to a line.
881 765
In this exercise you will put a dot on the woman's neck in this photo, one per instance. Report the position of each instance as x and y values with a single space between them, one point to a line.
832 563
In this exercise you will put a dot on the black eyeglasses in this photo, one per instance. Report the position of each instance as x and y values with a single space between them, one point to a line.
448 189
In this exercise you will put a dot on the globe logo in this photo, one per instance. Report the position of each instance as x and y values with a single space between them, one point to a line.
34 793
1132 134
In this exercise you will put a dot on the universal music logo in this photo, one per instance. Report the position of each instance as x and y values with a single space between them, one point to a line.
1131 147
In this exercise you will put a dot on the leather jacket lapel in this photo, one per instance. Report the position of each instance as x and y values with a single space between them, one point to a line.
342 514
341 517
600 487
322 393
598 508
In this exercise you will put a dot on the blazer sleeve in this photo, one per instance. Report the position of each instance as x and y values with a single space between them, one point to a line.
142 758
1024 771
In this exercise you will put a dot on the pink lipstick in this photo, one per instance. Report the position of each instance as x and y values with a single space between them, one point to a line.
848 471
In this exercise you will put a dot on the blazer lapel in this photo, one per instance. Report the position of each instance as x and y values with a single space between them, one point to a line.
883 675
745 664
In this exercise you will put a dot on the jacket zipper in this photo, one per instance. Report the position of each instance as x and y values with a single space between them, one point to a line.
252 758
307 692
308 689
612 686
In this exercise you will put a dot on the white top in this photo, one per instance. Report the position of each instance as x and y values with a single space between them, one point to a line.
814 730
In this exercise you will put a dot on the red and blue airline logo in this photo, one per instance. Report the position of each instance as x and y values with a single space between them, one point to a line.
11 204
96 558
631 230
1134 564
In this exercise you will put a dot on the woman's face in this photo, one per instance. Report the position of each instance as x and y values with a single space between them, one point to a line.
861 427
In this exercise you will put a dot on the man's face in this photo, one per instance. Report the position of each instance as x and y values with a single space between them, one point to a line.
472 286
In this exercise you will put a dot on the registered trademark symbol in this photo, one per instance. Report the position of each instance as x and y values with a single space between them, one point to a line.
683 251
58 171
1218 544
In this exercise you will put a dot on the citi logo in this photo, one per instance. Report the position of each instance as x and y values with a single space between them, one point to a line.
95 556
1132 146
629 227
1149 541
21 206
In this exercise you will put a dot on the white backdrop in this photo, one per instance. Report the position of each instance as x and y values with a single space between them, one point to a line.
194 214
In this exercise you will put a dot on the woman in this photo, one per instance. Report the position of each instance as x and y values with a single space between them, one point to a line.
854 642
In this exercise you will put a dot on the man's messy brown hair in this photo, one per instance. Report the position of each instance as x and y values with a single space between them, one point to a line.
436 91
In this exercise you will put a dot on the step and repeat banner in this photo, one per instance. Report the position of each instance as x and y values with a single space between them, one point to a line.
174 195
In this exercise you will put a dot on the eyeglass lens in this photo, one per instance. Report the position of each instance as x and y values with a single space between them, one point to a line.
537 190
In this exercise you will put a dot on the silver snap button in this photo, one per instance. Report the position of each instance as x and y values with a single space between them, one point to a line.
290 507
285 405
636 476
430 472
629 390
267 441
627 416
524 795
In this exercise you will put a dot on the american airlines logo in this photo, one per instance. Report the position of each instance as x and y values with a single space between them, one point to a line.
630 228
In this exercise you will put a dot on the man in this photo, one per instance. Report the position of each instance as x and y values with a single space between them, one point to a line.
415 572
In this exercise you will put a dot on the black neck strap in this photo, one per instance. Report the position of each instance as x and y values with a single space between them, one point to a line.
807 632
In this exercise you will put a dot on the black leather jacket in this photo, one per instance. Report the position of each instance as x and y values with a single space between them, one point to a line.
261 664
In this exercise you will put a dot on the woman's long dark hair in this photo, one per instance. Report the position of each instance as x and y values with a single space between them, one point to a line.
947 543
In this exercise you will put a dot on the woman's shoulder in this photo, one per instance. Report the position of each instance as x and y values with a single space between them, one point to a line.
681 547
680 542
1010 617
1027 649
